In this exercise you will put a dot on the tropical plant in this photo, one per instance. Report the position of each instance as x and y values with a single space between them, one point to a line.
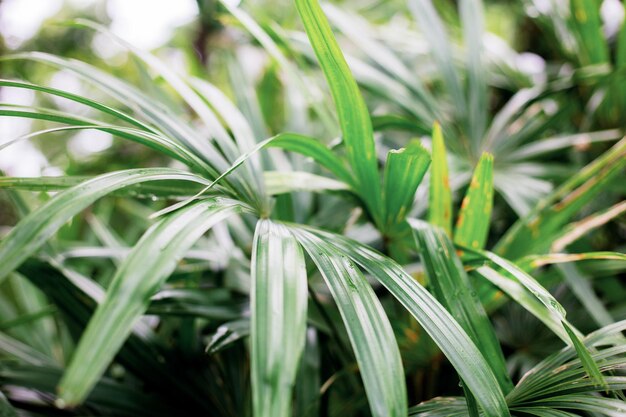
457 81
232 278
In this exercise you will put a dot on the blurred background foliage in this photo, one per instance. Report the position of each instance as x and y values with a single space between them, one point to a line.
552 80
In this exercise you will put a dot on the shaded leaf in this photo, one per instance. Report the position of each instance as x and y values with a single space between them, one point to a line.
432 316
137 279
451 286
370 332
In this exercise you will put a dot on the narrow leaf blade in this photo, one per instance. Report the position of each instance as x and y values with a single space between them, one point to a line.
356 126
369 329
33 231
473 221
137 279
440 196
278 327
454 290
440 325
404 171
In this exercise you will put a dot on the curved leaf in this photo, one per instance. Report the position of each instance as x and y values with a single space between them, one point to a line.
453 289
33 231
312 148
137 279
535 233
150 109
404 171
369 329
438 323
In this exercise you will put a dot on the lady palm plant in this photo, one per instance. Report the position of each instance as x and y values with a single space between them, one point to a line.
125 362
458 84
591 37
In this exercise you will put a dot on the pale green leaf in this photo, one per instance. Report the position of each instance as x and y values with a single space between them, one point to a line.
137 279
38 226
279 310
433 317
370 332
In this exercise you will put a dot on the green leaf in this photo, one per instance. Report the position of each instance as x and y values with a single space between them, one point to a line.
453 289
472 20
585 18
6 410
522 278
433 28
433 317
404 171
440 196
472 224
276 182
535 233
78 99
279 309
591 367
161 189
472 407
356 126
562 373
369 329
238 125
312 148
262 205
38 226
281 182
137 279
533 302
180 85
150 109
151 140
